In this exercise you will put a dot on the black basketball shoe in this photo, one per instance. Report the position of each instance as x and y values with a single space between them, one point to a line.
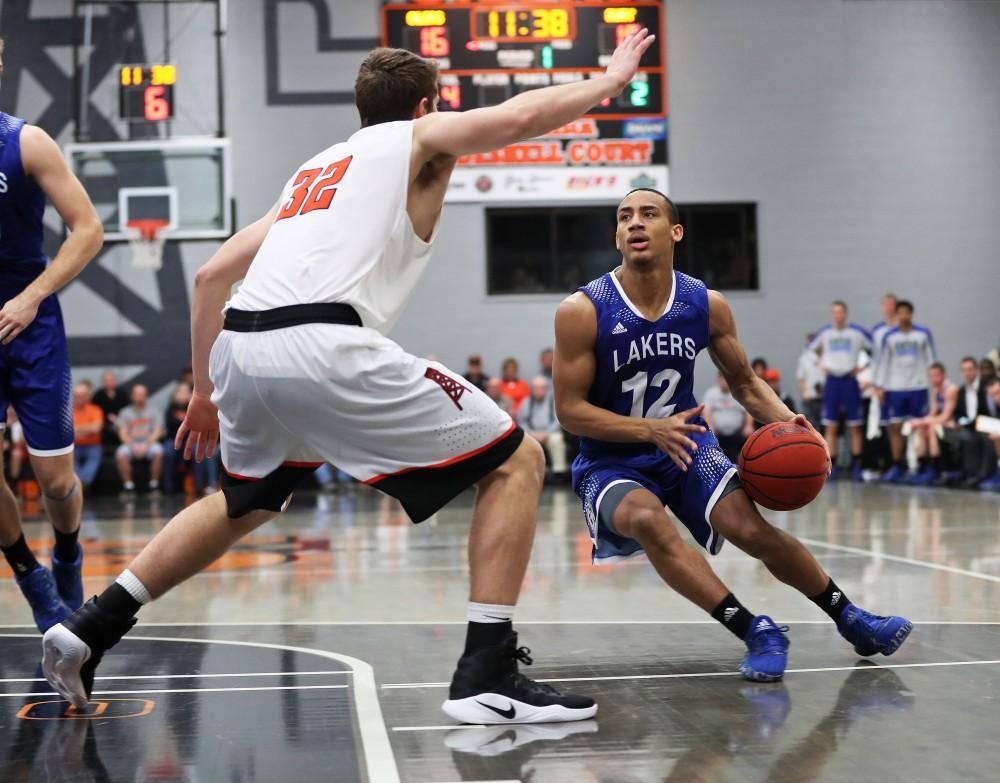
488 688
72 649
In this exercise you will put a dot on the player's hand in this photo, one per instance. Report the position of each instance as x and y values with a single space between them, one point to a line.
802 421
200 427
880 393
16 316
625 60
671 435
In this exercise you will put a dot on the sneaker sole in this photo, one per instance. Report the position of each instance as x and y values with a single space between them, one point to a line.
472 710
755 676
63 655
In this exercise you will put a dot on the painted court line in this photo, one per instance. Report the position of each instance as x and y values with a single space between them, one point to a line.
196 690
463 623
901 559
379 760
684 675
187 676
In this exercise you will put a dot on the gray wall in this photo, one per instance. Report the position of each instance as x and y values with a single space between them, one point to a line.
866 132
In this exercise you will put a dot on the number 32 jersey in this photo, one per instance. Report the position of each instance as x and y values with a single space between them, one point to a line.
644 368
342 232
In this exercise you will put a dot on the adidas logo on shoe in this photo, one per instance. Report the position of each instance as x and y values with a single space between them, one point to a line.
763 625
619 329
730 613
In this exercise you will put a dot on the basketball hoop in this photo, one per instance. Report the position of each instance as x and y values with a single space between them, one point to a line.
146 239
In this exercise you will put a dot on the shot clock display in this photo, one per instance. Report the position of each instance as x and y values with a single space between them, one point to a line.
146 92
491 51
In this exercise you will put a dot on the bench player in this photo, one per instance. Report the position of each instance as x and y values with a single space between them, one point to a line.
626 345
301 373
840 345
34 364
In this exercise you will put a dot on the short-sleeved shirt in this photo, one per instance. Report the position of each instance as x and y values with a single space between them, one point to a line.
88 414
904 359
517 392
840 348
140 425
727 415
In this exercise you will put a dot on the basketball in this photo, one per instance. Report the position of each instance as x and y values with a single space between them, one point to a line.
783 466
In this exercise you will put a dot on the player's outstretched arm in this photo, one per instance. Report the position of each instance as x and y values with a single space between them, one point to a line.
529 114
212 286
573 369
727 352
43 161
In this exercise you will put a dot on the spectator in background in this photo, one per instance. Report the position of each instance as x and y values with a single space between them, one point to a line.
474 372
773 378
513 388
545 363
494 390
810 378
759 366
140 427
18 449
992 484
944 397
187 376
975 448
110 399
728 419
88 422
889 320
987 372
537 417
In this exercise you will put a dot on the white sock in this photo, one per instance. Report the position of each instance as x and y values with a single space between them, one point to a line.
490 613
134 587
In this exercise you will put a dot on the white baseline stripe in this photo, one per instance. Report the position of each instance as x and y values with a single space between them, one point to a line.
877 667
899 559
187 676
337 623
380 762
194 690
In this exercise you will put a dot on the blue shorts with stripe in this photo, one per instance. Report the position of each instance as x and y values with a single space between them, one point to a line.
842 399
905 405
35 378
690 495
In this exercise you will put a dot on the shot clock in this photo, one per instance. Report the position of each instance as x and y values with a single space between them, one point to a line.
146 92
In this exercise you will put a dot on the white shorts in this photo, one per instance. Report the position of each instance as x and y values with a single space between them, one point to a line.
299 396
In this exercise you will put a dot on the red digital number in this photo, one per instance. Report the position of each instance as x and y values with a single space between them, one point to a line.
434 42
452 95
154 105
307 196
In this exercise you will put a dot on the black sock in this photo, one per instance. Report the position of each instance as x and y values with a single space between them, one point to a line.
118 602
901 464
936 463
832 601
922 463
480 635
19 556
855 461
734 616
65 547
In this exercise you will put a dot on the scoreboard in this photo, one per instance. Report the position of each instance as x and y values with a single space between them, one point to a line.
490 51
146 92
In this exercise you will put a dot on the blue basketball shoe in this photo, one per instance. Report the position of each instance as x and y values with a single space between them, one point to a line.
872 633
893 475
39 588
69 579
767 651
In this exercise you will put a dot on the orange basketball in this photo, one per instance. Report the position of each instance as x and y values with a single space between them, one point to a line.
783 466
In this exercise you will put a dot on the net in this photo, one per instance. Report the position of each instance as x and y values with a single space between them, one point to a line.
146 238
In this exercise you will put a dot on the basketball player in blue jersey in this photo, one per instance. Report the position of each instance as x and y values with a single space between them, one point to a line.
626 345
34 366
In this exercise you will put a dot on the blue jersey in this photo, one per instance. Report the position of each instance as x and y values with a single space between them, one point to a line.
34 367
22 204
644 368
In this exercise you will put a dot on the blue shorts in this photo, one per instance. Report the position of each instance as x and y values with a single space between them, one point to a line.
842 400
35 378
690 495
905 405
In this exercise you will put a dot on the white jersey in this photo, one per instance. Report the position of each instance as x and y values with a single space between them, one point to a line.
878 332
342 232
841 349
904 359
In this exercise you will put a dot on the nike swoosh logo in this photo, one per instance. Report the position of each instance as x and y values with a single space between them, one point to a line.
508 714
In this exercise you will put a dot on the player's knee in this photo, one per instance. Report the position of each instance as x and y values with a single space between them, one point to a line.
58 487
527 461
754 537
646 523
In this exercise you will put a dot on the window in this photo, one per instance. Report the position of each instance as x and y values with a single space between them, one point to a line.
554 250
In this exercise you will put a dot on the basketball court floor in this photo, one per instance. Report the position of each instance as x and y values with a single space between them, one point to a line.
320 649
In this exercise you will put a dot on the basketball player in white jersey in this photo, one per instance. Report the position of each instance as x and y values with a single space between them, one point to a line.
299 372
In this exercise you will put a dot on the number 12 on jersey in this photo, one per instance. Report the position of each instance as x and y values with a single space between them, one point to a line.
309 193
640 382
